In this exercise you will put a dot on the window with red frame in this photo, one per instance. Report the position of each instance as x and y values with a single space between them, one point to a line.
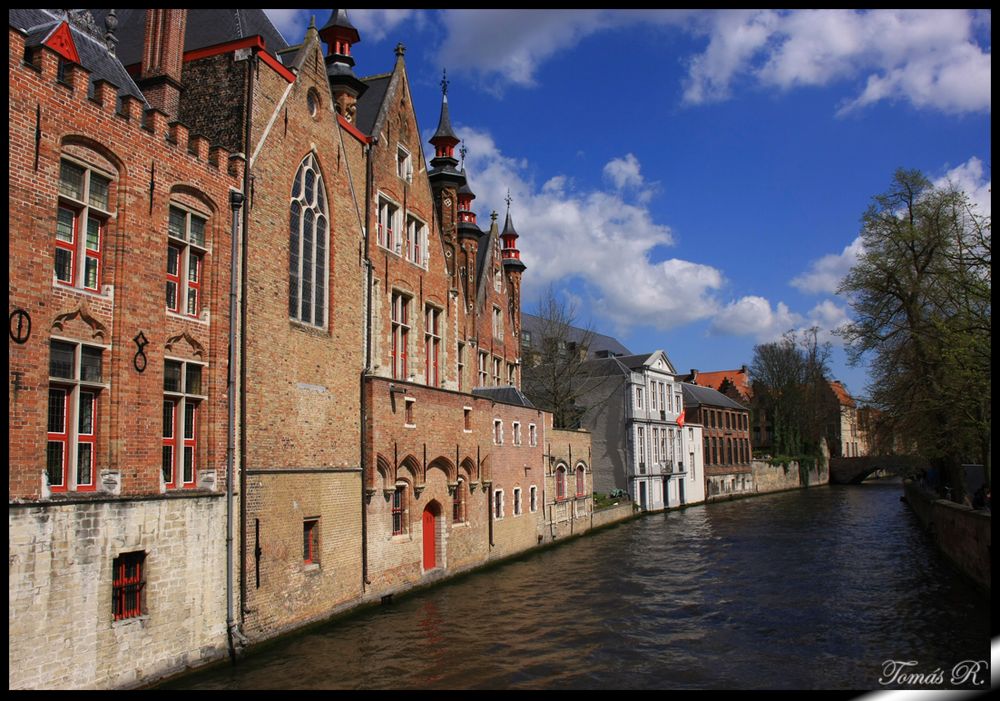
580 482
185 262
182 397
560 483
81 225
310 541
400 334
432 345
399 510
128 584
416 243
75 384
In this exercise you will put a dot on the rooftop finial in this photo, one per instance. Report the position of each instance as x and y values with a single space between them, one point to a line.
312 22
508 199
444 82
493 216
463 151
110 24
400 49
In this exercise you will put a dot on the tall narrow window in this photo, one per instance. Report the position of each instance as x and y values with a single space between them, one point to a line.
517 501
458 503
532 435
185 262
309 227
533 496
581 482
517 433
497 323
560 483
182 398
416 241
497 365
497 432
75 384
404 167
432 345
460 354
81 225
400 334
498 504
483 374
389 234
310 541
399 510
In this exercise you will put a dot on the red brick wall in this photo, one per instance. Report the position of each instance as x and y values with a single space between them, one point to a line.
140 159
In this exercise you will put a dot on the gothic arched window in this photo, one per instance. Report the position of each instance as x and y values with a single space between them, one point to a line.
308 226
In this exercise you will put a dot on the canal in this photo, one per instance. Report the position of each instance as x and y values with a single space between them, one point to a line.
813 589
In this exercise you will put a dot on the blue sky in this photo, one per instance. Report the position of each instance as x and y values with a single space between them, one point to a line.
694 181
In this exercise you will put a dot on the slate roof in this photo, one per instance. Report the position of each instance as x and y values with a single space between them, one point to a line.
695 395
94 54
638 362
504 395
369 104
205 27
598 343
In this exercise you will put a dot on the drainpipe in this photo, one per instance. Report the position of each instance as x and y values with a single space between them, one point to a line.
236 202
365 457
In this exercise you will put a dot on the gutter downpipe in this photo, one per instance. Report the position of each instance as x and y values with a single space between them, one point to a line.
369 179
236 200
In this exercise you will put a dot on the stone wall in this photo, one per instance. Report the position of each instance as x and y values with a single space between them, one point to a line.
778 478
613 514
963 534
62 631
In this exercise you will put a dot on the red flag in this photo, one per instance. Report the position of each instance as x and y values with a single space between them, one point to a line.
680 419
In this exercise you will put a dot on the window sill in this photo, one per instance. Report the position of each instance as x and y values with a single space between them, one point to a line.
106 293
202 318
409 425
311 567
141 620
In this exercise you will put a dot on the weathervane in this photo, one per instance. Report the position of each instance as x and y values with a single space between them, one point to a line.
508 199
463 151
444 81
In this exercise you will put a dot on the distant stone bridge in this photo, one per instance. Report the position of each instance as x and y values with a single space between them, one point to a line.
855 470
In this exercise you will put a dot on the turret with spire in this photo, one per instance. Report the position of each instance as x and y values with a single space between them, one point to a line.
339 35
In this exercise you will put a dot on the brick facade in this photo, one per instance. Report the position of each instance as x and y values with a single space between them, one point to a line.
328 423
68 523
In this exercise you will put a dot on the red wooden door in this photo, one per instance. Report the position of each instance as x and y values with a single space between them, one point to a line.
430 560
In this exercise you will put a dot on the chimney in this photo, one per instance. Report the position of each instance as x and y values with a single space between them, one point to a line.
162 59
694 376
743 369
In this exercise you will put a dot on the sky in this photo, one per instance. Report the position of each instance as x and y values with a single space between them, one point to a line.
693 181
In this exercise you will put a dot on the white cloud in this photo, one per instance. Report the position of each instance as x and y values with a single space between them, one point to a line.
592 235
929 58
292 23
375 25
753 316
626 174
824 275
828 316
968 177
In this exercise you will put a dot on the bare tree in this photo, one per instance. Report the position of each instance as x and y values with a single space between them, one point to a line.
555 375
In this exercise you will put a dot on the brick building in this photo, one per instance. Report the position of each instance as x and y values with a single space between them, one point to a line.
379 435
119 270
725 440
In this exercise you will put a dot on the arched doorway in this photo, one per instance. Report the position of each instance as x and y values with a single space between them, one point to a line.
429 528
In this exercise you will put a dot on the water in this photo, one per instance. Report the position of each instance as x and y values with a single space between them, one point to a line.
810 589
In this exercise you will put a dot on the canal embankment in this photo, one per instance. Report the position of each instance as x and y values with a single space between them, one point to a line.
961 533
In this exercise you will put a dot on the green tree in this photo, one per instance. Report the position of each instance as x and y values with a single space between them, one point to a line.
920 293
